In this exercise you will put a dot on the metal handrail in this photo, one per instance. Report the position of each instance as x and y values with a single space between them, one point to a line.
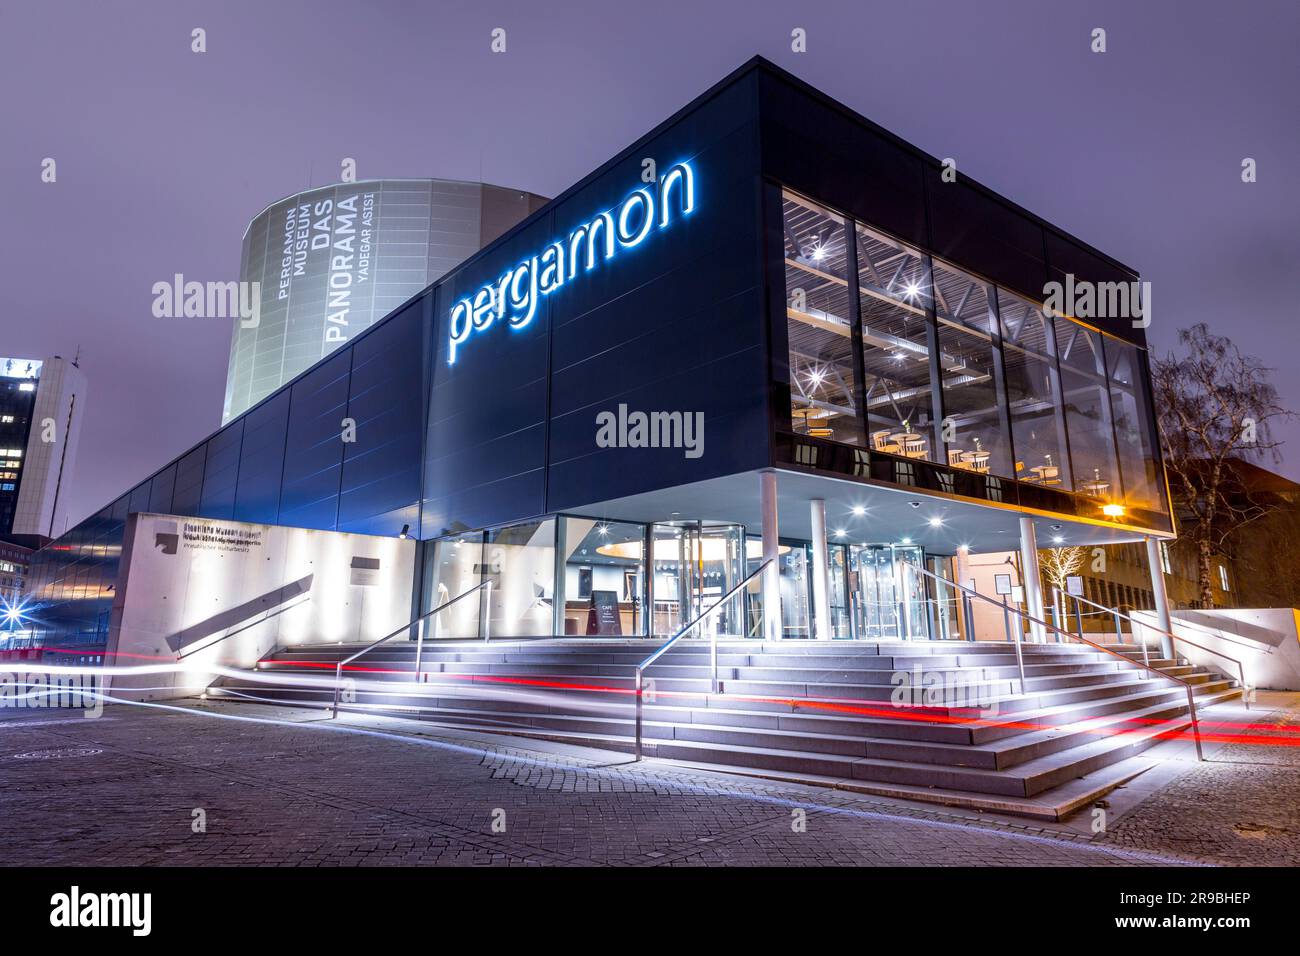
1191 704
713 647
1241 669
419 645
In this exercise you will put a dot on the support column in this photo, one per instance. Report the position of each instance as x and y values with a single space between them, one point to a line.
821 582
771 580
1161 596
1031 579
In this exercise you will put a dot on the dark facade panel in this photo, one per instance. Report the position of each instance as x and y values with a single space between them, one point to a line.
1064 255
817 149
221 472
160 490
381 469
261 461
975 231
138 498
313 458
485 450
189 482
674 325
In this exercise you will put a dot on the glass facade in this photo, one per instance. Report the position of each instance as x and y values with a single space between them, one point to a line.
894 303
601 586
824 390
953 369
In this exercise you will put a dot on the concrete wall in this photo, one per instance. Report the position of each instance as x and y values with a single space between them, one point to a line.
210 593
1265 640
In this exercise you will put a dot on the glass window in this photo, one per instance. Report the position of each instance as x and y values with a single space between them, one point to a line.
796 609
521 560
967 363
894 296
1037 427
1134 426
603 584
1087 409
455 566
1223 578
823 389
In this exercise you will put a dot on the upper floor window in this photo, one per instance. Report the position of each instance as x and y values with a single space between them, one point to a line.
894 296
824 391
1223 578
1033 387
973 425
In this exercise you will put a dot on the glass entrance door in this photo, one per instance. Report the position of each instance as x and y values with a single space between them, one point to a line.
886 595
694 565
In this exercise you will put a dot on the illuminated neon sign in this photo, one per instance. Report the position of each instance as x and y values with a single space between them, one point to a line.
513 297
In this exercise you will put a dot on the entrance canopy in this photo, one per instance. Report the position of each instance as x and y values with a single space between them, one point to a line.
863 512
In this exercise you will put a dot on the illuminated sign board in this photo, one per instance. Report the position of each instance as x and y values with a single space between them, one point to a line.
513 297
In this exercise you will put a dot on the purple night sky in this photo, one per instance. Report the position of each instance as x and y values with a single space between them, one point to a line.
164 155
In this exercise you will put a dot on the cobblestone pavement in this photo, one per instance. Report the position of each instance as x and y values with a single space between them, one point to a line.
1242 806
285 788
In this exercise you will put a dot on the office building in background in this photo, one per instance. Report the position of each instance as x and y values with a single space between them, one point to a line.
42 403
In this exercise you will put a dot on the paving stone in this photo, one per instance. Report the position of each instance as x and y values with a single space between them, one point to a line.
297 791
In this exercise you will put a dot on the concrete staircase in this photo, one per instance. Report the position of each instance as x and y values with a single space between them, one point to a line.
955 729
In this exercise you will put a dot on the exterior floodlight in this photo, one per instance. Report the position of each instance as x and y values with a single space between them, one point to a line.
1113 511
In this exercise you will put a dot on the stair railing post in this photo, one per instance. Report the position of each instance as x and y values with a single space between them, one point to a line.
419 647
1006 624
487 615
636 690
713 657
338 680
1078 612
1119 633
1196 725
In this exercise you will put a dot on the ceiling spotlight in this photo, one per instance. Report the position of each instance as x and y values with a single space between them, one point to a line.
859 511
907 541
603 529
405 532
1057 539
1113 511
1056 527
915 504
936 522
912 290
840 532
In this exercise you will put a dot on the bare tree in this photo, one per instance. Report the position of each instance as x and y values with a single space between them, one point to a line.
1060 564
1214 404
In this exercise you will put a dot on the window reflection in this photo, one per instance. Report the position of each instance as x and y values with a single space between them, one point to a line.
894 295
1087 409
823 390
603 583
521 561
977 440
1037 427
1131 408
455 566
